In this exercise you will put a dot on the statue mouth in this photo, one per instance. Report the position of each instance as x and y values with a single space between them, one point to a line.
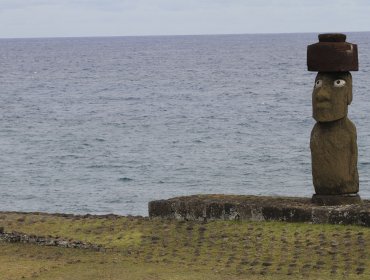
323 105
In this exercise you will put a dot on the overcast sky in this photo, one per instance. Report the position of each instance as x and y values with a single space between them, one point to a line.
67 18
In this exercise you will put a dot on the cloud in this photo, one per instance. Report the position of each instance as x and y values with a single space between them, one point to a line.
38 18
90 4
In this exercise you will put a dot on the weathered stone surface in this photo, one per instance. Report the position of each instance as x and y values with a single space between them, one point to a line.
334 158
339 199
17 237
257 208
332 37
332 54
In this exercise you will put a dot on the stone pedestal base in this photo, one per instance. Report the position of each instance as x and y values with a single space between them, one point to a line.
340 199
210 207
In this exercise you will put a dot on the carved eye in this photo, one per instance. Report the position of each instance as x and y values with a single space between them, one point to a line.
339 83
318 83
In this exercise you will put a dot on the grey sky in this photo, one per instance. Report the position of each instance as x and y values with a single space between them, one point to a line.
55 18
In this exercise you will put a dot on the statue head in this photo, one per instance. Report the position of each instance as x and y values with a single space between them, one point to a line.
332 93
332 57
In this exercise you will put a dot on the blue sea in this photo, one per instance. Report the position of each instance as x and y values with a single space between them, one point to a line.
104 125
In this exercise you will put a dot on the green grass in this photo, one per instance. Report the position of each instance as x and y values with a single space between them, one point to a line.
139 248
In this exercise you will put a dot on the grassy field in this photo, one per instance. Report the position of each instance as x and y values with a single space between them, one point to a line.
139 248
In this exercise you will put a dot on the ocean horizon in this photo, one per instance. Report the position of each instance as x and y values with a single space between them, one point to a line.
106 124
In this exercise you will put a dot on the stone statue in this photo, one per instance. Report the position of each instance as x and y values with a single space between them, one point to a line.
333 139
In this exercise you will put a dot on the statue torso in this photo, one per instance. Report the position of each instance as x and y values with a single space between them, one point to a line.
334 157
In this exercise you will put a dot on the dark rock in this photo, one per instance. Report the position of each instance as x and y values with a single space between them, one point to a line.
267 263
332 37
332 200
202 229
161 208
332 54
189 227
16 237
155 238
360 270
258 208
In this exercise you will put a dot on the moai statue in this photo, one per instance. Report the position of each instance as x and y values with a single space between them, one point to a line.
333 139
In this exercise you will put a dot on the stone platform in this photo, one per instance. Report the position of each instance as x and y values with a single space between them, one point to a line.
258 208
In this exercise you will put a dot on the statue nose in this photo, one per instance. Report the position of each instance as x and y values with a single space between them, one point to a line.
322 95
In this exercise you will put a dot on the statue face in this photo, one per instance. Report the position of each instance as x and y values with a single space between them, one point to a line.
331 96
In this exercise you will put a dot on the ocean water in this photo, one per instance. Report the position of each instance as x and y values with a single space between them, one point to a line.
104 125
